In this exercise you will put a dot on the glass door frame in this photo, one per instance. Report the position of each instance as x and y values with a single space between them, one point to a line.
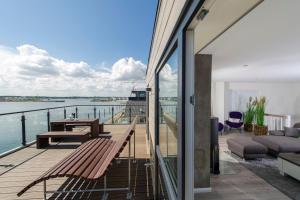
177 41
160 166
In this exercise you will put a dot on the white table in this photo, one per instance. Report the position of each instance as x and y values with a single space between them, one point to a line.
289 163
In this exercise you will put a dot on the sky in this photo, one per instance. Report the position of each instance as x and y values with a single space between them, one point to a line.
74 47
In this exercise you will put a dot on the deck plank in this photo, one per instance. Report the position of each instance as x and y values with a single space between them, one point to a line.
29 163
236 182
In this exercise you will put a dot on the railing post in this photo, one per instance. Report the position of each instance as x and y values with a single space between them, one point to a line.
99 114
130 114
176 113
76 112
134 161
23 130
95 115
65 113
112 114
129 166
88 115
48 120
104 112
161 115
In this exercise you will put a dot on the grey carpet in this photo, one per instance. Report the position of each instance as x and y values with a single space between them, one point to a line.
267 169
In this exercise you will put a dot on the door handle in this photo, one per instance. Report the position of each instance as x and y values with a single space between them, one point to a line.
192 99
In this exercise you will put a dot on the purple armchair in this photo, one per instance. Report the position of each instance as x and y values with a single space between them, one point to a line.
235 120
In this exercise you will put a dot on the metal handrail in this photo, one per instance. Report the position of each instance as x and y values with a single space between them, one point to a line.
111 113
275 115
52 108
165 175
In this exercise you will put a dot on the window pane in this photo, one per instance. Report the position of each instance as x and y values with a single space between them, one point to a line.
168 93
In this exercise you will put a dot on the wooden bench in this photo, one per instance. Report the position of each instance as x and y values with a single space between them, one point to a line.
90 161
42 140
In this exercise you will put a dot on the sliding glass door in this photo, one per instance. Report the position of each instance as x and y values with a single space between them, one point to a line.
167 116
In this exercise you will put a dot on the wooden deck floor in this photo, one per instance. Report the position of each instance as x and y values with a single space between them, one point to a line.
22 167
18 169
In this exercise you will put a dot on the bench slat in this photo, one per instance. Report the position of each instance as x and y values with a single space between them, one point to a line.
98 163
64 163
76 159
90 161
121 143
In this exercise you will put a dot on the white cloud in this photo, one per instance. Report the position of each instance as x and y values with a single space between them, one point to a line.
168 81
128 69
28 70
168 74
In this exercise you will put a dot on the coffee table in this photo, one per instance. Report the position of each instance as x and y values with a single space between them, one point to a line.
289 163
93 123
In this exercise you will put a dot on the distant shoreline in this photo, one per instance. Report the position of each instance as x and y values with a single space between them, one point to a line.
57 99
16 101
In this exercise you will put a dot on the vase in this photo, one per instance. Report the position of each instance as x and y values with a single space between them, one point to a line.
248 127
260 130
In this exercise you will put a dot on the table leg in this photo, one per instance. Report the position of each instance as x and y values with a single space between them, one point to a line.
42 142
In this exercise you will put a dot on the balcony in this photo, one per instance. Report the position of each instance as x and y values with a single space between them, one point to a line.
20 167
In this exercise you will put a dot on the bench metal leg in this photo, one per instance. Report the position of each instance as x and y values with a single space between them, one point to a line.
129 195
45 190
87 190
105 194
105 190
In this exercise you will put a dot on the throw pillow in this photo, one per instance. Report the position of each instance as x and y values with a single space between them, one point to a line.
234 120
276 133
292 132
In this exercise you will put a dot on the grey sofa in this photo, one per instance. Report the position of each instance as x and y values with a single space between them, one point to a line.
285 141
258 146
279 144
246 148
292 132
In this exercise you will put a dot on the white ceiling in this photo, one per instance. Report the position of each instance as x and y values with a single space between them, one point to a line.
267 40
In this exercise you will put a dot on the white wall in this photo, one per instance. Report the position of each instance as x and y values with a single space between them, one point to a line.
167 16
219 99
168 13
282 98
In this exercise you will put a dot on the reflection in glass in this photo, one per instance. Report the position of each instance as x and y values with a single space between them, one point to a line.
168 94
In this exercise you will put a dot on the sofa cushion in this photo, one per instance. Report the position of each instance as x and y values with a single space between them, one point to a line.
292 132
279 144
245 147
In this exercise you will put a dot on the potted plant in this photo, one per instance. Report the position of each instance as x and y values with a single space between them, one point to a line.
259 127
249 115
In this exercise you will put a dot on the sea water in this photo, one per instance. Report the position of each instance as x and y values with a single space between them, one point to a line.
36 122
